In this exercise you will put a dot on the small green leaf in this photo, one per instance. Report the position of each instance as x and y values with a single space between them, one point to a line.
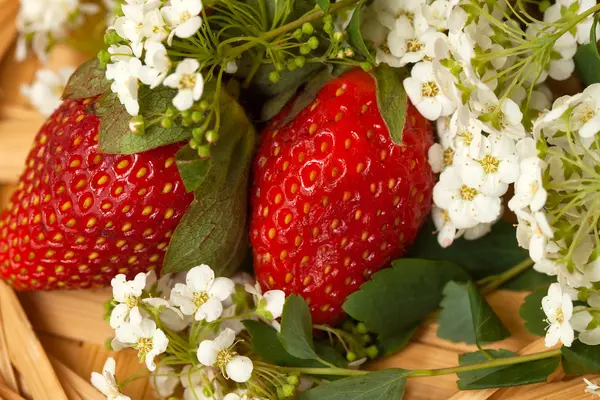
214 229
388 345
533 315
580 359
505 376
355 36
115 136
296 329
87 81
398 298
192 169
587 63
492 254
391 98
324 5
467 317
388 384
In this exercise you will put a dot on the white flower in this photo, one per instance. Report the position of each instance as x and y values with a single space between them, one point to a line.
497 167
558 307
426 94
435 157
148 340
269 304
466 205
465 131
130 26
106 382
592 387
581 321
124 75
446 231
127 294
153 27
408 47
202 294
563 8
164 380
46 90
189 81
585 117
529 189
533 233
183 16
388 11
506 116
436 14
220 353
157 64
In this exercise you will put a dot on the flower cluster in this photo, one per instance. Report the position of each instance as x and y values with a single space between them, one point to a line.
42 23
480 76
556 202
45 91
188 331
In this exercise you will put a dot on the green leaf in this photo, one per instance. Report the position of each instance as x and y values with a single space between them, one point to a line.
533 315
587 63
192 169
355 36
87 81
382 385
398 298
529 280
510 375
580 359
115 136
391 98
467 317
214 229
388 345
323 5
296 329
492 254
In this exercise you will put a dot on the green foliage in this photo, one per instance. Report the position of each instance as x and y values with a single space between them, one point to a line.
503 376
533 315
398 298
391 98
467 317
296 329
492 254
587 63
192 169
87 81
529 280
323 5
581 359
355 36
388 384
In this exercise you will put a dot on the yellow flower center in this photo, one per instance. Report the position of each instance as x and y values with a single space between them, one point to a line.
448 156
144 345
490 164
467 193
187 81
413 45
200 298
429 89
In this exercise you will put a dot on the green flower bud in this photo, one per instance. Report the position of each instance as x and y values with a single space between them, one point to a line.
293 380
197 133
543 5
307 28
365 66
288 390
313 42
203 151
304 49
194 143
137 125
300 61
197 116
291 64
104 57
171 112
186 113
338 36
274 76
297 34
351 356
186 121
328 19
166 123
111 37
372 352
361 328
280 66
366 338
203 105
211 136
328 27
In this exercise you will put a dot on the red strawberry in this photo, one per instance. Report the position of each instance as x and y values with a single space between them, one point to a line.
334 199
80 217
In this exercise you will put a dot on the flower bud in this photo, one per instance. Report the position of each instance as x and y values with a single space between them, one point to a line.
203 151
304 49
166 123
351 356
197 116
291 64
137 125
300 61
274 76
307 28
372 352
297 34
288 390
211 136
338 36
313 42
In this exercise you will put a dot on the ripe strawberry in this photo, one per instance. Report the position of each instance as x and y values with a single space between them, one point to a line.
79 217
334 199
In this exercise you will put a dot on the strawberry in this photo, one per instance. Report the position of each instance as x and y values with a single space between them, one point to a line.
80 217
334 199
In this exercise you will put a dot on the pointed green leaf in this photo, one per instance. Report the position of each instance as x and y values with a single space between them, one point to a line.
533 315
296 329
398 298
467 317
388 384
87 81
504 376
355 36
323 5
192 169
580 359
391 98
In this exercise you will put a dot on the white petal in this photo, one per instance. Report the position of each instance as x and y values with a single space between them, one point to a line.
118 315
552 335
275 300
100 383
225 339
222 288
210 311
239 369
200 278
188 28
207 352
567 335
486 208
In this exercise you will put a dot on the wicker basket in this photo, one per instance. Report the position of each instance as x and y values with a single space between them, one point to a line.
51 342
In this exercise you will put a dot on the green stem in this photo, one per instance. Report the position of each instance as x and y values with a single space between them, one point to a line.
498 362
237 51
505 276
